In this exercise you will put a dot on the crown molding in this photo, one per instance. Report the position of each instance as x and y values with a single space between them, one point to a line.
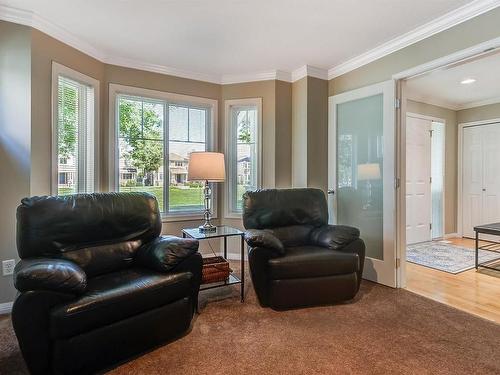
162 69
310 71
426 99
228 79
479 103
433 27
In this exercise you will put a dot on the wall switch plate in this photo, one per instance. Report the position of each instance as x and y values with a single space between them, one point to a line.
8 267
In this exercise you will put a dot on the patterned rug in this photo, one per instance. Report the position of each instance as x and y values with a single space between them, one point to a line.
446 257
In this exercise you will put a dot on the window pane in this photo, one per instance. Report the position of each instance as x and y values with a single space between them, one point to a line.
141 156
67 136
245 164
184 195
197 124
178 123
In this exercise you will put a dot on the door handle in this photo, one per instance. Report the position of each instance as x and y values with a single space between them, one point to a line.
331 191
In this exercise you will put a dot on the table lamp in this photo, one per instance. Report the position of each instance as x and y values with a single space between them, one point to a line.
208 167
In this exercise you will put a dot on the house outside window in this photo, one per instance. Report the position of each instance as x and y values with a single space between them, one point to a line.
243 150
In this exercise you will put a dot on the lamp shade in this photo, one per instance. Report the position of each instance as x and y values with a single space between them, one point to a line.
369 171
206 166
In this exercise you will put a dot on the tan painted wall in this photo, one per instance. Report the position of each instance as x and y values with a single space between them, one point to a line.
15 138
467 34
283 136
485 112
317 133
450 164
299 133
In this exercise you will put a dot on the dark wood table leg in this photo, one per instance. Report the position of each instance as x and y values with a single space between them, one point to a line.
242 269
477 249
225 247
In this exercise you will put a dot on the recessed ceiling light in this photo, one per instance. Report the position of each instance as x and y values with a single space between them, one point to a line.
468 81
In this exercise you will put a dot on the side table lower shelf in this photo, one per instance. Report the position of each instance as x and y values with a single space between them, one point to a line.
232 280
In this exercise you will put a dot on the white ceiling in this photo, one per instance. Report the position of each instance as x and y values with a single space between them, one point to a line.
443 87
234 37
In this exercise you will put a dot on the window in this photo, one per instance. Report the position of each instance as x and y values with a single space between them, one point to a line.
243 122
156 132
74 131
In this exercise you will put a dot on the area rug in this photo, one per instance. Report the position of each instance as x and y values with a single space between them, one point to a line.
446 257
383 331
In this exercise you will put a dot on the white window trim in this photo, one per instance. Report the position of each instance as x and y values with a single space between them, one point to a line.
228 213
114 91
57 70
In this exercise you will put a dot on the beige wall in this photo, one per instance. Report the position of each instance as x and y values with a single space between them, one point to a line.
451 165
299 133
283 135
317 133
15 165
485 112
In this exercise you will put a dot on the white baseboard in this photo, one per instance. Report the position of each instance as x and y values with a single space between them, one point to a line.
6 308
450 235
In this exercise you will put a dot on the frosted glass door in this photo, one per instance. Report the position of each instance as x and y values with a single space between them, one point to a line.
361 173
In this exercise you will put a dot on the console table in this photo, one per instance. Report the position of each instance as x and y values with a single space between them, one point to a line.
491 229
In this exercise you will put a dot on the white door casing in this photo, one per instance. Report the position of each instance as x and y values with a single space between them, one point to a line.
381 269
418 183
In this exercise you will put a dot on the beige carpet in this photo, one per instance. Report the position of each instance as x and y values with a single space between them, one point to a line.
385 331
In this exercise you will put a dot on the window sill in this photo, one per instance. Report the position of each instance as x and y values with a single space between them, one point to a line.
169 218
234 215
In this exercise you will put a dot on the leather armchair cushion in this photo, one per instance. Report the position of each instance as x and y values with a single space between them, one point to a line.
97 260
293 235
312 261
166 252
49 274
334 236
262 238
112 297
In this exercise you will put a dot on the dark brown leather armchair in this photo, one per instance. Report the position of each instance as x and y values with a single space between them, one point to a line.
296 258
97 283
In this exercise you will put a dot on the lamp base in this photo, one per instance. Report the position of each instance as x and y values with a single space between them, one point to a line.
207 227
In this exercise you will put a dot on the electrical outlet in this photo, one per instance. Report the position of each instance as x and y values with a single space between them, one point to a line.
8 267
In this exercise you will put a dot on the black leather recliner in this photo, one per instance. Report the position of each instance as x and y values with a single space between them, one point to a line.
296 258
97 283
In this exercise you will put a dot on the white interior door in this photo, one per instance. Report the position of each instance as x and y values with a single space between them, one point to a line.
361 168
491 173
472 180
418 180
480 177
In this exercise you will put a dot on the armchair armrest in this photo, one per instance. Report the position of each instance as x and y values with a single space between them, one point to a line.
264 239
166 252
334 237
57 275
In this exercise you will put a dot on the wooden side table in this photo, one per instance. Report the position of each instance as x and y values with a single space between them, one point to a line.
224 232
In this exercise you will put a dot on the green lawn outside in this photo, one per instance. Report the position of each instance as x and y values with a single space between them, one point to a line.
188 199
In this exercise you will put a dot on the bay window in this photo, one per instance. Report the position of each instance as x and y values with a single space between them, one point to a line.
155 133
243 145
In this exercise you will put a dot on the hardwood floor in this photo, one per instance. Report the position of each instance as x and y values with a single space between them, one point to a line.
476 292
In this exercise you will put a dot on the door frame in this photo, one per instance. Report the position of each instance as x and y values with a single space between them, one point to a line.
374 268
460 181
400 78
443 194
